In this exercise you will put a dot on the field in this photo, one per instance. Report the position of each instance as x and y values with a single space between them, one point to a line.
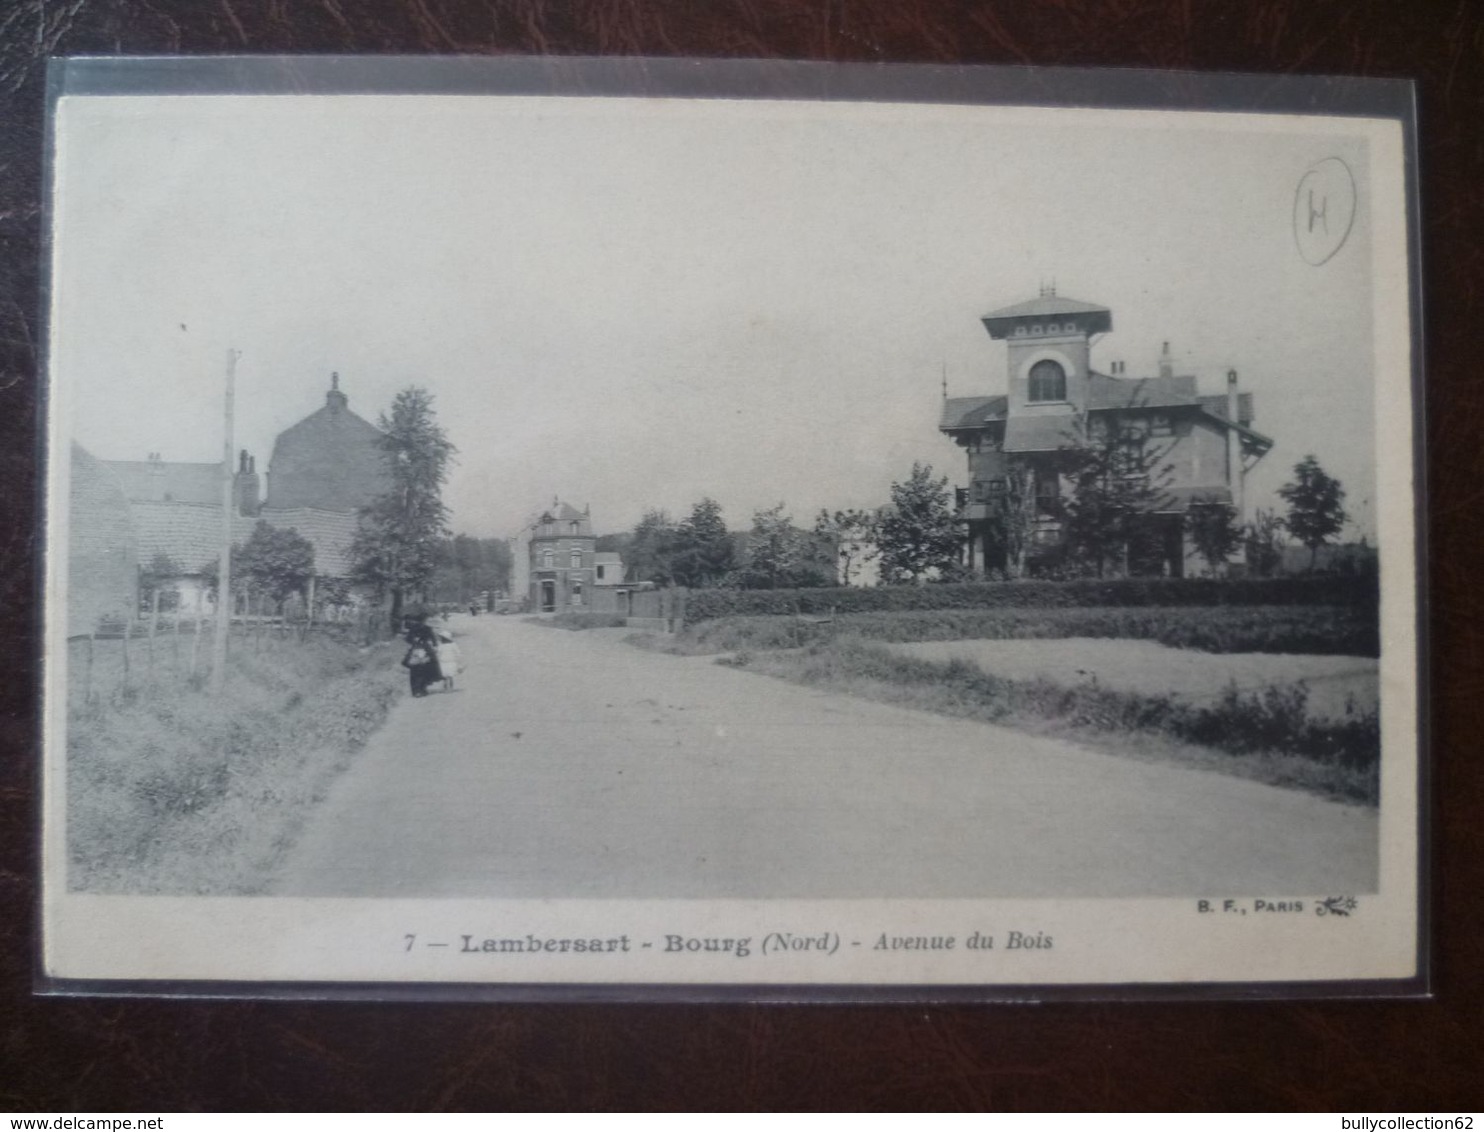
1338 685
173 791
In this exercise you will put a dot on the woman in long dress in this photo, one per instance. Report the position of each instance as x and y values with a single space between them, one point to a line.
421 660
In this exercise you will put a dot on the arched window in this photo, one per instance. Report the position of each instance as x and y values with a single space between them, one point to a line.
1048 382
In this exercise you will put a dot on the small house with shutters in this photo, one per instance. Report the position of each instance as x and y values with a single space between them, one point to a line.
1203 443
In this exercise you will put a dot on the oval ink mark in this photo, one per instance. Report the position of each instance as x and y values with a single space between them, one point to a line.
1323 210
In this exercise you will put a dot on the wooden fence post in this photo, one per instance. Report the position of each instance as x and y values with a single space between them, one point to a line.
154 621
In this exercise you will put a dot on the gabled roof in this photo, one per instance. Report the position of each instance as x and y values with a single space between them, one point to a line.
1041 433
330 532
157 481
1215 404
560 513
1000 323
1214 407
1105 392
972 412
190 534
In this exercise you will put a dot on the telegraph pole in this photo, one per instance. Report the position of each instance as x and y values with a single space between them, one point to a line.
224 571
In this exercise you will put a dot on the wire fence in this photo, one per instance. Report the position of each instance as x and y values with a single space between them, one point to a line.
128 656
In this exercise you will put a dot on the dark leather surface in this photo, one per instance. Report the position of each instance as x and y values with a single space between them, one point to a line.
60 1055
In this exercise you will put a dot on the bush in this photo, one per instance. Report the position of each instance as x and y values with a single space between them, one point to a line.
1356 592
173 790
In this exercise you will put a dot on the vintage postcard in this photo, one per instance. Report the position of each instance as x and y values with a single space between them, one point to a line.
886 542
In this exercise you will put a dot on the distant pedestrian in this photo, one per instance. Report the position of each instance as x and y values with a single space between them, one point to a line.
421 659
448 659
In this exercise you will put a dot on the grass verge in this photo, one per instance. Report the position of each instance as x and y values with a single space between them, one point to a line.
1321 630
172 791
1264 735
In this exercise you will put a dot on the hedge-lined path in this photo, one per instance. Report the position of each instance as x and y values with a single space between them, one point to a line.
569 764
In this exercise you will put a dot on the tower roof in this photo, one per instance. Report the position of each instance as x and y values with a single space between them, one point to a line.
561 513
1000 323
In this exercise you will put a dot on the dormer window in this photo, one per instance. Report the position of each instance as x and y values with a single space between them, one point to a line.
1048 382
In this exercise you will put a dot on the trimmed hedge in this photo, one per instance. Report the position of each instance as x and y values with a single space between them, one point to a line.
707 605
1335 630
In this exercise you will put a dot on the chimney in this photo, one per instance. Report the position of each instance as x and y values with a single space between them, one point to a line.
334 398
245 488
1166 363
1235 475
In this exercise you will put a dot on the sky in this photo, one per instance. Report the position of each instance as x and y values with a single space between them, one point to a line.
636 303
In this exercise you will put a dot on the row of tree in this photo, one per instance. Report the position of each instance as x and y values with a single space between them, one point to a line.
403 545
1106 519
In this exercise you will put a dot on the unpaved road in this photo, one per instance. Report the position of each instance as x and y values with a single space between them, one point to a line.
573 765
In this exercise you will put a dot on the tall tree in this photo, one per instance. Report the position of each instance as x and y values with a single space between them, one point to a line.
703 550
853 535
1316 511
1012 516
781 556
918 533
395 549
647 557
1118 483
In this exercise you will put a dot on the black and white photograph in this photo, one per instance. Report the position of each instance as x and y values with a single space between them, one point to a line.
834 543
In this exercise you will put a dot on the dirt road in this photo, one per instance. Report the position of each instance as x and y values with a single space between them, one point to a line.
574 765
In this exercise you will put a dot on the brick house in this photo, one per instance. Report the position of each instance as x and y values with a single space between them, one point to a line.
1016 441
557 566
